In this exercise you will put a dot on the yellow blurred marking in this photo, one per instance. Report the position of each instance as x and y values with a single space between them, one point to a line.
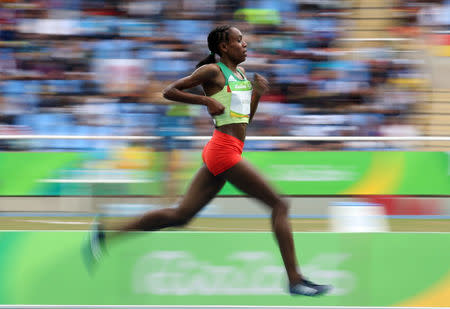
383 176
436 296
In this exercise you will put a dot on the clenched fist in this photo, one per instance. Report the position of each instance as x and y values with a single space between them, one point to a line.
260 84
214 107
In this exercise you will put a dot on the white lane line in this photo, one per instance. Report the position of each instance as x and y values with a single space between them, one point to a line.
52 222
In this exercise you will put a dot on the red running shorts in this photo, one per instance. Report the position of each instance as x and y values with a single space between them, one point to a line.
222 152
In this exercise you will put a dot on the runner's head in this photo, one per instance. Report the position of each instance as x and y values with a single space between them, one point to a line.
227 42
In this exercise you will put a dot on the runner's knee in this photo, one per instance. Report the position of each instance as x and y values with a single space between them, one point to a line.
181 218
281 207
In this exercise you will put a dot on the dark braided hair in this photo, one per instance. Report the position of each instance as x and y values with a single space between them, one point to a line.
215 37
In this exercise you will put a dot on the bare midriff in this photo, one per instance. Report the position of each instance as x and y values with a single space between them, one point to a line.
237 130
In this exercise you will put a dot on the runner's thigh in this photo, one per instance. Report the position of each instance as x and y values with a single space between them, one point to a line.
203 188
247 179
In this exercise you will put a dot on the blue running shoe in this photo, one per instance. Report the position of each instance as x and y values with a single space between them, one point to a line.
308 288
94 247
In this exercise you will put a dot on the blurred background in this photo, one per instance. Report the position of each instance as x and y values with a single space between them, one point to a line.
98 67
336 68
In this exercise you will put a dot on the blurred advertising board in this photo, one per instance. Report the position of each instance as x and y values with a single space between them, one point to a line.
292 173
175 268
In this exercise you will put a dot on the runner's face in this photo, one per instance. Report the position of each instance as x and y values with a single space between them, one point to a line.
236 48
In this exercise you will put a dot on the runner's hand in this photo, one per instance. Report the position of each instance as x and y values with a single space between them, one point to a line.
214 107
260 84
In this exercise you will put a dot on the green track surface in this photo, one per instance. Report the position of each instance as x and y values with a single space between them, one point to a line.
214 224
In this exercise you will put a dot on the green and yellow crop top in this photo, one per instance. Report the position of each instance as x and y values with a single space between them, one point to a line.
235 96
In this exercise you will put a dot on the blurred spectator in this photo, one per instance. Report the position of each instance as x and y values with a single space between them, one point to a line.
98 67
